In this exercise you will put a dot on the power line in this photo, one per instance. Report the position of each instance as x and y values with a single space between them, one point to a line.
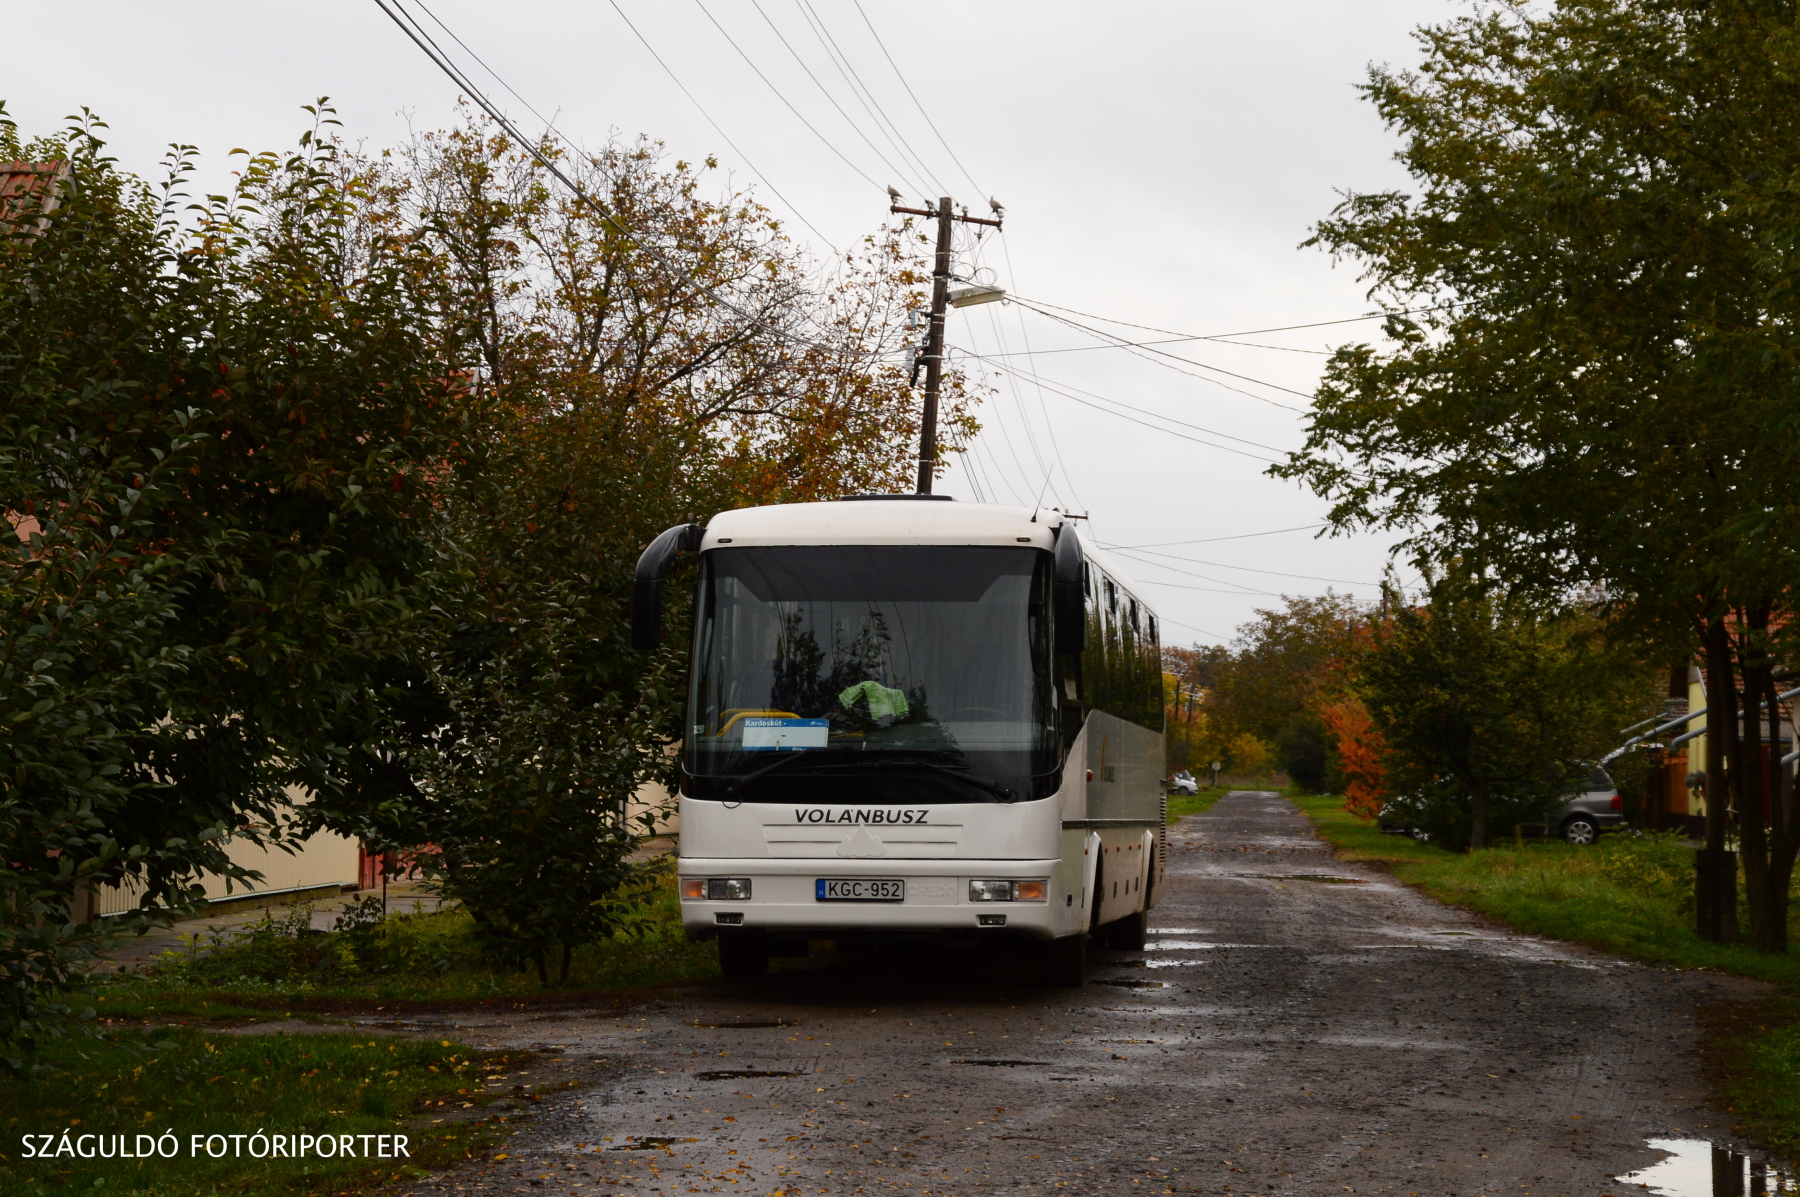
1174 340
1165 431
1249 569
548 124
1024 473
829 98
416 33
1240 536
699 107
1206 589
996 472
1064 389
1043 408
915 98
1122 343
1046 469
790 107
1190 627
1188 573
864 94
1251 332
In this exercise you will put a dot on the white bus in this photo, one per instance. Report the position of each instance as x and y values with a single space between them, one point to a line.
912 718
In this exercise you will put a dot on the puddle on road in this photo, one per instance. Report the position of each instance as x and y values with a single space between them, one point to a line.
1321 878
745 1026
1004 1063
1196 945
650 1143
1181 930
1696 1168
737 1074
1172 963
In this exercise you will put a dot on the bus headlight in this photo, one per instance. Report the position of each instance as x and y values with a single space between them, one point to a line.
1007 891
716 889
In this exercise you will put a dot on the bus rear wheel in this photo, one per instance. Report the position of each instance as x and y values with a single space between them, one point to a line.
1063 964
742 958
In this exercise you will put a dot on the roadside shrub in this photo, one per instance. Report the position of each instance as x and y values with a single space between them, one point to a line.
285 948
411 955
1658 865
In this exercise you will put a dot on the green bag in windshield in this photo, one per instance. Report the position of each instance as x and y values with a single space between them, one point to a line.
883 701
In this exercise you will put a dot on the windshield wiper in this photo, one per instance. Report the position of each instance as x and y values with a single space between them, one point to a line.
740 780
979 781
858 760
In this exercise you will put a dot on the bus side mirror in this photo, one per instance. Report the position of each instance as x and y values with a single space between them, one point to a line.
652 571
1068 599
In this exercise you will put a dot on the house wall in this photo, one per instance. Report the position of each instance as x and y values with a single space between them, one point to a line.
325 858
328 858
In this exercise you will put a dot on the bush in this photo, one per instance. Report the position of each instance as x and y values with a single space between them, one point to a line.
280 963
363 943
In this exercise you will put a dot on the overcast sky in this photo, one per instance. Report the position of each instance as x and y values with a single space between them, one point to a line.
1159 164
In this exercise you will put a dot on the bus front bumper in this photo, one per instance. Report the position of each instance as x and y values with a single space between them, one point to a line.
785 899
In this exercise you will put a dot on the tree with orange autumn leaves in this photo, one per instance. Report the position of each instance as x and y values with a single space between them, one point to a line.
1360 754
641 358
1480 704
1262 697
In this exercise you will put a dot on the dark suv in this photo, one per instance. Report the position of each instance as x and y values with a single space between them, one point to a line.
1579 820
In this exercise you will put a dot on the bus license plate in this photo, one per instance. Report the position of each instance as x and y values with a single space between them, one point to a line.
860 889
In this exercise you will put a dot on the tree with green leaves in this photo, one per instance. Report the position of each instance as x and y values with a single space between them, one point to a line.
212 429
1491 712
1590 378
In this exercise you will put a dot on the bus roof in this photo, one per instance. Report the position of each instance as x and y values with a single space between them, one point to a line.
903 520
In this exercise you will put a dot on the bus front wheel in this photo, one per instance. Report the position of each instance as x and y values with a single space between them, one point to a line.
1063 964
742 958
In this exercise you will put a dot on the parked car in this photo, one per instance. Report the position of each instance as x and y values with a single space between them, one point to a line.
1182 783
1580 819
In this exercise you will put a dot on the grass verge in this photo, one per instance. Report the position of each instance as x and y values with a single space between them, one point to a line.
1753 1058
174 1084
280 967
1183 805
1632 896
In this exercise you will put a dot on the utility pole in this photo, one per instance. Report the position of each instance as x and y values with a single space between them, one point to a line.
934 341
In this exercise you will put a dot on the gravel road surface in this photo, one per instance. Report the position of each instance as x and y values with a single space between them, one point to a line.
1282 1035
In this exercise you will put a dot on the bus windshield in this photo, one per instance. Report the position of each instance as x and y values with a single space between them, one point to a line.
872 673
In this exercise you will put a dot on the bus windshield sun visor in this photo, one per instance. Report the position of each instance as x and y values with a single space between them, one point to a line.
652 570
1071 619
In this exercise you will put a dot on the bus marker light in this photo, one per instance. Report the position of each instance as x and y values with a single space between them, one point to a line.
1028 891
693 887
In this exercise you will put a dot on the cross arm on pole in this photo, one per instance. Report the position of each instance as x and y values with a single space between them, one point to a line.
964 218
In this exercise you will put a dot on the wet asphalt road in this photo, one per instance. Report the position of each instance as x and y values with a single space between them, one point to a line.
1280 1036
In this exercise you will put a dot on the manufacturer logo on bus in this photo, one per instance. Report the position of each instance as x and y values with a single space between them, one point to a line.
883 815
